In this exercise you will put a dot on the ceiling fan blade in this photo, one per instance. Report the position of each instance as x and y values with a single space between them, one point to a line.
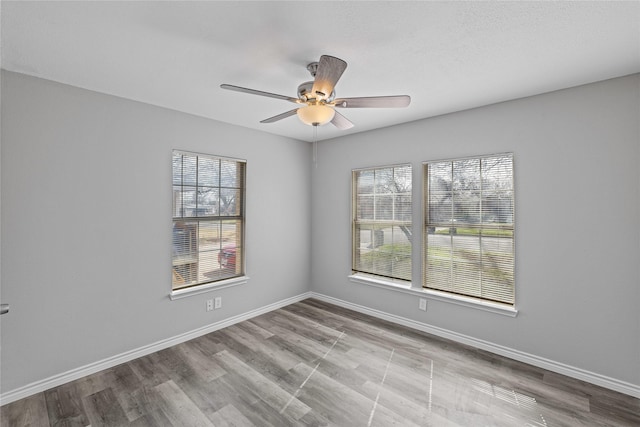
280 116
259 92
398 101
328 73
341 122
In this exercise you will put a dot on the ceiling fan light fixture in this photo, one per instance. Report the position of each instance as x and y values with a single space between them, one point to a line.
315 114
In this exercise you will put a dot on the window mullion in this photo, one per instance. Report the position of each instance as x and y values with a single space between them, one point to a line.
481 221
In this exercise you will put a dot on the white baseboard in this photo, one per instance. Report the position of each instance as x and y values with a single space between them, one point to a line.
550 365
92 368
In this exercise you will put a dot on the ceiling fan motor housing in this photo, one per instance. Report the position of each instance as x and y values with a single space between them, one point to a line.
305 93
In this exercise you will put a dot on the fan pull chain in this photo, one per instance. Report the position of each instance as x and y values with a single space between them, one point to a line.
315 145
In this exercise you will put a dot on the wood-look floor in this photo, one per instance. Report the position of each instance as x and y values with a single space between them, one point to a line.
316 364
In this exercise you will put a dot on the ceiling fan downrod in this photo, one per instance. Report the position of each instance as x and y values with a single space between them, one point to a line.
313 68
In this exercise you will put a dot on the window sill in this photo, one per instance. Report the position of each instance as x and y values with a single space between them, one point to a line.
366 279
196 290
406 287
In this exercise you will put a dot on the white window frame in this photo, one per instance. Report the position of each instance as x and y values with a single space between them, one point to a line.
368 277
462 299
231 279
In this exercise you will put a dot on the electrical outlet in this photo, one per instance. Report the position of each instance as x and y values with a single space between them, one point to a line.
218 303
423 304
209 305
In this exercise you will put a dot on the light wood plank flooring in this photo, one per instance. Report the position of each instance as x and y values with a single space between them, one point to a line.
317 364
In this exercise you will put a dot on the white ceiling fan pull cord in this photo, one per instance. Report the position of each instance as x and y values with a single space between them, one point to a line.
315 146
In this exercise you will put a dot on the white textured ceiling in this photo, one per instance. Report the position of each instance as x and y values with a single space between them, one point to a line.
448 56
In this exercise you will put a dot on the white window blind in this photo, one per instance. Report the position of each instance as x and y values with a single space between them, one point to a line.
381 221
208 219
469 227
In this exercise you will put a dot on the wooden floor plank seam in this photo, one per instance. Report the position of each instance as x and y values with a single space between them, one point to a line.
384 377
295 394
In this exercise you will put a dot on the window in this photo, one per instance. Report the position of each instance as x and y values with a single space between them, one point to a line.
469 227
208 219
381 223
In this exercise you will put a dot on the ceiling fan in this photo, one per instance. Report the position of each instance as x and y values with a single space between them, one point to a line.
318 99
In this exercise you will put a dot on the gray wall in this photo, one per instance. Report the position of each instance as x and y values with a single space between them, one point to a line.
576 155
86 225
